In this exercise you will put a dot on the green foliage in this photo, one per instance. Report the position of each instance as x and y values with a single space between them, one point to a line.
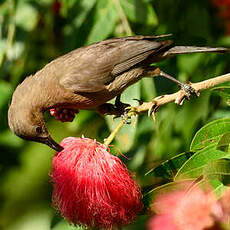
33 32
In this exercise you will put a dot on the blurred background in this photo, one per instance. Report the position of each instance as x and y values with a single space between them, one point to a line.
33 32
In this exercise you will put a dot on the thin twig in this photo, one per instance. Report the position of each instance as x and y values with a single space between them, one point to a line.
165 99
113 134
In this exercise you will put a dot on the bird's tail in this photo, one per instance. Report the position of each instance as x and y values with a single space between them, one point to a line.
194 49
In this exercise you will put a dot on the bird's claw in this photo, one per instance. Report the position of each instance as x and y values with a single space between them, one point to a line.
153 110
187 91
63 114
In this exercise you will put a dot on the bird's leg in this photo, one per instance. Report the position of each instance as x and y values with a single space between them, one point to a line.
189 90
64 114
186 87
120 105
117 109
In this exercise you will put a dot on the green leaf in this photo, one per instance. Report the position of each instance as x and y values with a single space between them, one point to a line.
189 63
152 18
223 144
168 168
191 114
148 91
218 170
224 92
105 19
139 12
194 167
129 8
5 92
82 14
218 187
210 134
26 16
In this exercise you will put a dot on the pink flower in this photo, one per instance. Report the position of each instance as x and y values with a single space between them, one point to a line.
224 202
161 222
93 187
184 209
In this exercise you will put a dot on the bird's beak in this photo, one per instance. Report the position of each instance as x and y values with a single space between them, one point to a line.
53 144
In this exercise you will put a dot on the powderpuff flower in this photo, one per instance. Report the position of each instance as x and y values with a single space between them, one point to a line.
93 187
184 209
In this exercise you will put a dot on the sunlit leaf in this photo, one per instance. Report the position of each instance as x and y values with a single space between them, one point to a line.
224 142
210 134
105 19
195 165
129 8
218 170
26 16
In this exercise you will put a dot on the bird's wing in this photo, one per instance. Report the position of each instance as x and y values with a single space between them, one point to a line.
91 68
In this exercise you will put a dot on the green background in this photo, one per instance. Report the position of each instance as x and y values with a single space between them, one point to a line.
34 32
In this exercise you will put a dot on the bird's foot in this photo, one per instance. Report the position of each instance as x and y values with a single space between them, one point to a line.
63 114
118 109
187 91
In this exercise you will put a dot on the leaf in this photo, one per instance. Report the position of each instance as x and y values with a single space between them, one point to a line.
189 63
105 20
194 166
148 91
218 187
26 16
210 134
5 92
139 12
82 14
152 18
224 92
218 170
168 168
191 114
223 144
129 8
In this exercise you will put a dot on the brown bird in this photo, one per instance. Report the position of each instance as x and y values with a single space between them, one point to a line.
87 78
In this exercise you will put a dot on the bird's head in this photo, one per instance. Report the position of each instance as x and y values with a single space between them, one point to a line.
30 125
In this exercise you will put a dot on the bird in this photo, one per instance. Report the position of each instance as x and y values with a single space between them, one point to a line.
87 78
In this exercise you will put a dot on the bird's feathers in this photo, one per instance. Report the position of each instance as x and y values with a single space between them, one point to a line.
98 64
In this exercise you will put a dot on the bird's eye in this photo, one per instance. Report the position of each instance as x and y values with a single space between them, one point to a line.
39 130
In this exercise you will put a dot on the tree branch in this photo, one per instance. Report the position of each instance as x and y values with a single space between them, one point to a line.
178 97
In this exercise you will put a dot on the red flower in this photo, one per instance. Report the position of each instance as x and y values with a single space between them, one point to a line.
93 187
